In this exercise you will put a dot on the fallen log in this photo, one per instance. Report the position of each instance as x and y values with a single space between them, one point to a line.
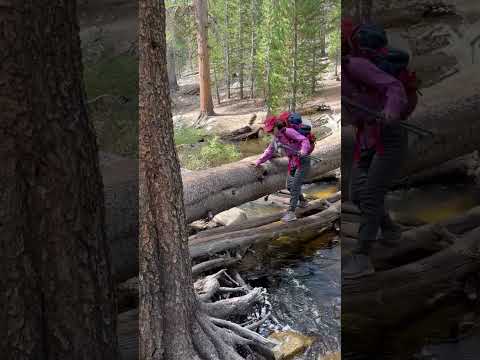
302 229
465 167
401 13
218 189
255 223
449 109
127 291
456 225
421 241
207 192
237 239
242 134
368 302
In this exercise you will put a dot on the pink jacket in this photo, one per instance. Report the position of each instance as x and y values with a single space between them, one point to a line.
365 83
292 139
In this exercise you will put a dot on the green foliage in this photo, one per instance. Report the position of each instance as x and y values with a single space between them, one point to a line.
333 23
187 135
283 77
214 153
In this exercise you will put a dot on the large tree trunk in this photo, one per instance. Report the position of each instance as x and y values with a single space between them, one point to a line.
173 326
166 292
313 71
253 45
209 191
201 18
171 68
450 109
218 189
293 103
217 90
241 49
323 41
226 50
56 290
172 73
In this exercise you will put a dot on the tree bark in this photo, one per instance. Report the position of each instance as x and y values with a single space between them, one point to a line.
172 324
166 292
313 73
293 104
201 17
56 290
171 66
253 53
172 73
226 51
323 42
217 90
241 47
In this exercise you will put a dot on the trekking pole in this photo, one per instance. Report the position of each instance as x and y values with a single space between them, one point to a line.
413 128
312 157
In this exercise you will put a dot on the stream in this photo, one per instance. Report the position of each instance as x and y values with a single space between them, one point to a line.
451 331
302 281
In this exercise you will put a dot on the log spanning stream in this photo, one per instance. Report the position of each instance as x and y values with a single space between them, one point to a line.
451 329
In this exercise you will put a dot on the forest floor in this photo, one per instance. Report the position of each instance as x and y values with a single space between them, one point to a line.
185 107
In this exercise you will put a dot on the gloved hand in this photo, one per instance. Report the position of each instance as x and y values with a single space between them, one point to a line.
390 117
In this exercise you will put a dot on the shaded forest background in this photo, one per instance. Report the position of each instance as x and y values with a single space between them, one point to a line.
276 52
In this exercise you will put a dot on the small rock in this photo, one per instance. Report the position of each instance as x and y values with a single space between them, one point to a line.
229 217
331 356
291 344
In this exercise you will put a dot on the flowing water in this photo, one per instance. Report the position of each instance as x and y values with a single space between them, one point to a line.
302 280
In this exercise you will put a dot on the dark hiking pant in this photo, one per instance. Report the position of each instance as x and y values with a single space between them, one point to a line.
371 178
295 181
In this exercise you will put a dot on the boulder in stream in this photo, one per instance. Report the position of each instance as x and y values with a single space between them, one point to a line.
230 217
291 344
331 356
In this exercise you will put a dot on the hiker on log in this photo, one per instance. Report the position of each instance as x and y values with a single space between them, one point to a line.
377 78
296 139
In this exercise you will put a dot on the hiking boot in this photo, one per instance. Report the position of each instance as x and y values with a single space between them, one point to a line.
289 216
390 233
357 265
303 204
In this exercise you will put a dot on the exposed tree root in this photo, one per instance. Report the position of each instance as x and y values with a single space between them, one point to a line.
213 264
238 306
214 335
